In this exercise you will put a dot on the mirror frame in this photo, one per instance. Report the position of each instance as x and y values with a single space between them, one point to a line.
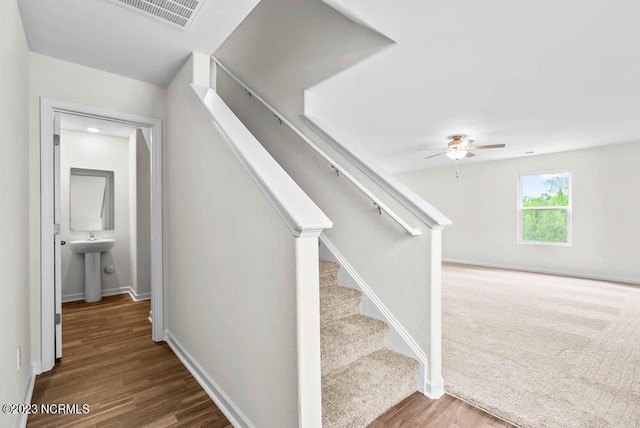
109 188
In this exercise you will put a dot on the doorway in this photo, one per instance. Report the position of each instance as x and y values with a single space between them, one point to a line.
51 278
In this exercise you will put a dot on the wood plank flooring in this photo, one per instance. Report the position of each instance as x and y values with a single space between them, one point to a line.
447 412
110 363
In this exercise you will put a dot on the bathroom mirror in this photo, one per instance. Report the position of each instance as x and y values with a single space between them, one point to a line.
90 200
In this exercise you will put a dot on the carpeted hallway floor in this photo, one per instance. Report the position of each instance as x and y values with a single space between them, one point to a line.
541 350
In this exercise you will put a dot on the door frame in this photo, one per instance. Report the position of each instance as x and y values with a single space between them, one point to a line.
48 108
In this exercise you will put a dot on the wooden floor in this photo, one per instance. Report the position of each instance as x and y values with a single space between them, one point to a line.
110 363
447 412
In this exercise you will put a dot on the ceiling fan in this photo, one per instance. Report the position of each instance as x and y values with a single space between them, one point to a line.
461 147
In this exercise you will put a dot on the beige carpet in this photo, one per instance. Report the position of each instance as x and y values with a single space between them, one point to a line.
361 379
540 350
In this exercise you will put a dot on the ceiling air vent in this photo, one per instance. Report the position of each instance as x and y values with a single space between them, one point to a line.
179 13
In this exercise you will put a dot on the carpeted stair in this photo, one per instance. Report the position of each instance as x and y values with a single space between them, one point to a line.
361 379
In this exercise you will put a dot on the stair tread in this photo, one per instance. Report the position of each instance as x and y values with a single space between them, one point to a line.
345 340
345 331
358 393
325 265
333 296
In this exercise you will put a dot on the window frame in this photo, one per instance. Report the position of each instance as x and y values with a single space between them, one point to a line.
569 209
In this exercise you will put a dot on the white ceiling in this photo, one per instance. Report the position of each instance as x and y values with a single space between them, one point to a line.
71 122
104 35
543 76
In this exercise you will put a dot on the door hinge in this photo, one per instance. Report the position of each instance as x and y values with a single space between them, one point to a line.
56 229
56 139
57 319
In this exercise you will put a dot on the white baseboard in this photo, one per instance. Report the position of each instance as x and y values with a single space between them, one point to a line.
398 339
139 297
545 271
109 292
27 395
222 400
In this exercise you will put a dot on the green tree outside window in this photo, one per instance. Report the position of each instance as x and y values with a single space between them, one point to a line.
544 207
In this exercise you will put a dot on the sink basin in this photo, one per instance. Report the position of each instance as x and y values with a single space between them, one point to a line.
91 251
98 246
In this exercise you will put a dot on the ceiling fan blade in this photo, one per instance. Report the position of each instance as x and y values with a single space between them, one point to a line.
427 149
469 155
488 146
433 156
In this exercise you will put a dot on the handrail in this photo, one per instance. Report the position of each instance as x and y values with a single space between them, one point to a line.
382 207
297 210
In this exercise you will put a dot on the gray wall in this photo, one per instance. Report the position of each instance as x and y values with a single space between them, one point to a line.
394 265
95 151
483 202
14 208
281 49
231 267
143 216
284 47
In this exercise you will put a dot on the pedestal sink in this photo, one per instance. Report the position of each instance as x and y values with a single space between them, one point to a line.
91 251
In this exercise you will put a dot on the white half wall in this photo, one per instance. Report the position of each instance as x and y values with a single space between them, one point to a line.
14 207
231 264
482 204
65 81
101 152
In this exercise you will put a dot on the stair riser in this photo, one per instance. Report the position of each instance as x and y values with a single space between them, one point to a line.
329 279
337 312
334 359
372 403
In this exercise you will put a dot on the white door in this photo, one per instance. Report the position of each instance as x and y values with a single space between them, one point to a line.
57 241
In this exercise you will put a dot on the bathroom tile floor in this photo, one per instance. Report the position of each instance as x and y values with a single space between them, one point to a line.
110 363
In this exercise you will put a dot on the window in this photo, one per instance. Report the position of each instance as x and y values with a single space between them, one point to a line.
545 208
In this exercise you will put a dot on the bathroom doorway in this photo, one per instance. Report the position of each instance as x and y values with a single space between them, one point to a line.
115 179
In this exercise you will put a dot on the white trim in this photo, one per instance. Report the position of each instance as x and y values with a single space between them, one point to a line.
48 107
608 278
398 338
308 332
222 400
407 197
434 383
109 292
27 395
377 201
301 215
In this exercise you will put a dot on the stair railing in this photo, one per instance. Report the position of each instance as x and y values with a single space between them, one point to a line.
340 171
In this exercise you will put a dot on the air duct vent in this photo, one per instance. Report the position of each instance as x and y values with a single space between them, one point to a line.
179 13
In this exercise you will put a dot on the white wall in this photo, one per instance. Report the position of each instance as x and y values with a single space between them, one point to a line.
14 206
285 47
102 152
281 50
482 204
231 268
394 265
52 78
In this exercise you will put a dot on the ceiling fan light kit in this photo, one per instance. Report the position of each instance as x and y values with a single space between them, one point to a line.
460 147
456 154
